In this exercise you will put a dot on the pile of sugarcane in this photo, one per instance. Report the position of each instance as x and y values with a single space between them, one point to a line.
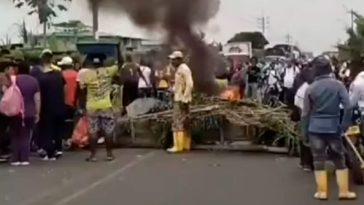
243 114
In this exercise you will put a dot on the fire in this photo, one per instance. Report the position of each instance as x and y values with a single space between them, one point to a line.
231 93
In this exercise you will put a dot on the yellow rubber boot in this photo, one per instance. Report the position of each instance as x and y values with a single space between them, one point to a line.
321 181
186 141
176 143
342 178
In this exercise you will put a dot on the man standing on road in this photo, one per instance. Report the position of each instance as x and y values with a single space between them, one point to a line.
51 83
253 77
70 77
129 77
145 82
96 84
321 125
183 86
289 75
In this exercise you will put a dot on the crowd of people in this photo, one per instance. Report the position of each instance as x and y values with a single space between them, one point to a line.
47 96
55 93
323 95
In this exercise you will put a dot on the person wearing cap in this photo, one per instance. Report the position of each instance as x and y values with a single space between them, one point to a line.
322 127
5 61
95 98
183 85
51 124
20 127
70 77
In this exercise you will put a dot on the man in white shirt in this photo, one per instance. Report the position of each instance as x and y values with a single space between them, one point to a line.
288 79
145 82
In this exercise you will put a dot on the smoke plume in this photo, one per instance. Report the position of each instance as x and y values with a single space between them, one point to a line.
179 19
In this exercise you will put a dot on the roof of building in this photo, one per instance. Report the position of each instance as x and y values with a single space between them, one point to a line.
89 34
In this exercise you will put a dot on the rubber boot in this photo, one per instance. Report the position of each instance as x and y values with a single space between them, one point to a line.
186 141
177 143
321 182
342 178
109 145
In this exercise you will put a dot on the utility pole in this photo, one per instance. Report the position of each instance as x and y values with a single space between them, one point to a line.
288 39
352 17
263 23
95 17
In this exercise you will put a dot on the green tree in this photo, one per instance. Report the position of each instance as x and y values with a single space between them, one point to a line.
256 38
354 46
45 9
23 32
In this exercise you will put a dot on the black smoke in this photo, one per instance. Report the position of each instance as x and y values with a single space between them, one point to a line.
179 19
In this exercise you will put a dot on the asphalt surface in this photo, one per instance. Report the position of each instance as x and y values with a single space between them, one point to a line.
140 177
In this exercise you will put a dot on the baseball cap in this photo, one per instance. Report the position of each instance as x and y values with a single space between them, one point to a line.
46 51
175 55
65 61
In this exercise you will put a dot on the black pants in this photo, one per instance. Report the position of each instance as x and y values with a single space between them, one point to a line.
306 158
130 93
4 135
69 122
288 97
51 129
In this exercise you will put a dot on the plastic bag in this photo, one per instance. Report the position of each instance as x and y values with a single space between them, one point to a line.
141 106
80 136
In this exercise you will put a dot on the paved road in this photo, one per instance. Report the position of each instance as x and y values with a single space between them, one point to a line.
152 177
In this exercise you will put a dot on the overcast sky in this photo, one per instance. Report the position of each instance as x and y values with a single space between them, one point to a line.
315 25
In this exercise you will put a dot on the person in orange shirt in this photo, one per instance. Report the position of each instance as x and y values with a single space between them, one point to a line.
70 77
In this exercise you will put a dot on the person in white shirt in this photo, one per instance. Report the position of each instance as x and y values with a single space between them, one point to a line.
145 83
289 75
357 91
356 94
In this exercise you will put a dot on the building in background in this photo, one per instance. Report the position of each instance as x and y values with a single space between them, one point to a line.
67 41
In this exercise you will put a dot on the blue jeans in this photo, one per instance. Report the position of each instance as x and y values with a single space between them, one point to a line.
325 147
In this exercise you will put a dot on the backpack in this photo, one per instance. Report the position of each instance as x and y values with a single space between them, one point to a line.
12 102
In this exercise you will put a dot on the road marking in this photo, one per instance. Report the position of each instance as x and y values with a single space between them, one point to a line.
103 180
36 199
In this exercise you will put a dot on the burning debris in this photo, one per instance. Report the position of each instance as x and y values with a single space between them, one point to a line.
179 19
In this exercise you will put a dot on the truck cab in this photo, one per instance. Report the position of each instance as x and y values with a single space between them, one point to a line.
110 49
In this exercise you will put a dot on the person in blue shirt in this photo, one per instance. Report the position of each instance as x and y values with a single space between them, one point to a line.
323 128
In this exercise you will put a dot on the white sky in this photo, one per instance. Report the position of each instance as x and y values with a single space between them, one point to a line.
315 25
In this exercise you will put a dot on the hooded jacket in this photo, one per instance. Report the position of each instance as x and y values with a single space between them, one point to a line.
321 108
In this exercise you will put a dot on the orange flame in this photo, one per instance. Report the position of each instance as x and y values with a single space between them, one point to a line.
231 93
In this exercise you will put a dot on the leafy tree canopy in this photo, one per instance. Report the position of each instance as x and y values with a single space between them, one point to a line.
256 38
354 46
46 9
